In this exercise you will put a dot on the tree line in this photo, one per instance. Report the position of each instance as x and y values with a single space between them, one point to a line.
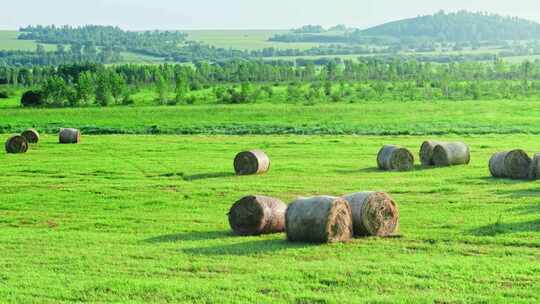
364 68
248 81
104 44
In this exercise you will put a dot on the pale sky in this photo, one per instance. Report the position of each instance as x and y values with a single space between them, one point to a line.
241 14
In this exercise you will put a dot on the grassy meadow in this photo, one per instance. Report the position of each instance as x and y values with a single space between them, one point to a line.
365 118
244 39
133 218
9 42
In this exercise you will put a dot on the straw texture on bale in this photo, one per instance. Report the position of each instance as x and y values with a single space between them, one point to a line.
251 162
535 167
31 135
322 219
16 144
255 215
394 158
374 213
515 164
69 136
451 154
426 152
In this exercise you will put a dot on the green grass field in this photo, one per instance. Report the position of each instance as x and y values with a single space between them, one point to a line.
9 42
366 118
129 57
244 39
142 219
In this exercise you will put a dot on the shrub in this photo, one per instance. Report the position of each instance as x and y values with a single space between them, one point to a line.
4 94
128 101
191 100
172 102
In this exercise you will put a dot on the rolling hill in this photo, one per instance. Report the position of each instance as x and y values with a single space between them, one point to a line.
459 26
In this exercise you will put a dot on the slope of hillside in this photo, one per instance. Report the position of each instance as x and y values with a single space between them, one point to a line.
460 26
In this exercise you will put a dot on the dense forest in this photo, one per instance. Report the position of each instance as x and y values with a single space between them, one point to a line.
104 36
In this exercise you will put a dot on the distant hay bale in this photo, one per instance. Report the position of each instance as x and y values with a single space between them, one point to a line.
251 162
515 164
16 144
534 173
255 215
374 213
32 99
322 219
426 152
451 154
69 136
394 158
31 135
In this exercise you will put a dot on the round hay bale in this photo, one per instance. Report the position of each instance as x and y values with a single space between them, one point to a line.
451 154
322 219
69 136
394 158
374 213
426 152
255 215
535 167
251 162
31 135
515 164
16 144
496 165
32 99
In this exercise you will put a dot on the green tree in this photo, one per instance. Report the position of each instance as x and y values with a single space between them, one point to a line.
162 89
86 87
40 50
181 89
328 88
55 92
104 96
118 86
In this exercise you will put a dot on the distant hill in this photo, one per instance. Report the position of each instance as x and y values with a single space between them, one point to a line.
459 26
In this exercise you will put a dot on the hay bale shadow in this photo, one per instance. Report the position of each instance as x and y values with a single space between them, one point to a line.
208 176
519 193
491 179
247 248
364 170
190 236
429 168
377 170
505 228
